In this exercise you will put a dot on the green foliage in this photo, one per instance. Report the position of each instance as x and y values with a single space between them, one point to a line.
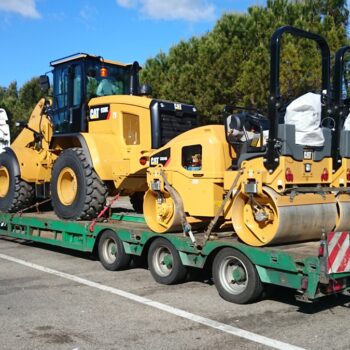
230 64
19 104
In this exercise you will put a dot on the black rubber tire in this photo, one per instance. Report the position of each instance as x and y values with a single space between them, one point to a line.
249 290
113 262
136 200
20 194
91 193
175 273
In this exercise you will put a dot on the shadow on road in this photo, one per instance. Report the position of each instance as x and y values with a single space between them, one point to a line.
273 293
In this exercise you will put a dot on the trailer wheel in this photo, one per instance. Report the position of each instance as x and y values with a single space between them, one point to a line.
77 192
235 277
111 252
164 262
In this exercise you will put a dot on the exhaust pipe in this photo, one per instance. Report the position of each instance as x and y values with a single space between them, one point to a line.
134 78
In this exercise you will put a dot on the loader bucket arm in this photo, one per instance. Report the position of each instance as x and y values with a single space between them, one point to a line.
272 156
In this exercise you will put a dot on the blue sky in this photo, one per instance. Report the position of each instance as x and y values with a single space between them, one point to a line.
35 32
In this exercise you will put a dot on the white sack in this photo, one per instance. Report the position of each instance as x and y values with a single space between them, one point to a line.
347 123
4 131
305 113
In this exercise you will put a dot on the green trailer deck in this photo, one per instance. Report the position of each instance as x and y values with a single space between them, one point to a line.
239 271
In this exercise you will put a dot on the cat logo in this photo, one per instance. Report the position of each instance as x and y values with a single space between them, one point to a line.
99 113
94 113
178 106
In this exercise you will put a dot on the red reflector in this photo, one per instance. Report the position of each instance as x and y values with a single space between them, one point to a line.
335 285
321 250
167 162
143 160
304 283
289 175
324 175
348 174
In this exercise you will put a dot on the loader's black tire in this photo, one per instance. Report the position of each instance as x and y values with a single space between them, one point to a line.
18 193
136 200
85 193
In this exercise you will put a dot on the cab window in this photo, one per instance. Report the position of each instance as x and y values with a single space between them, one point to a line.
192 157
77 86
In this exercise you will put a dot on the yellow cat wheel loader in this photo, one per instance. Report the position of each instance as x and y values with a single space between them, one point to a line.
267 177
91 139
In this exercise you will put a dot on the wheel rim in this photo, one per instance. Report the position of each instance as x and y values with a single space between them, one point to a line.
233 275
162 261
109 250
4 181
67 186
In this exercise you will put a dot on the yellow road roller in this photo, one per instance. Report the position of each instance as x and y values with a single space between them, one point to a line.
91 139
271 179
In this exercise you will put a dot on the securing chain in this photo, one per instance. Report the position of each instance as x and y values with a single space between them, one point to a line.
214 221
36 206
186 227
102 212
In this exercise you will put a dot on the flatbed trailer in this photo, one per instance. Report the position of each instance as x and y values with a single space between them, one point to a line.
240 272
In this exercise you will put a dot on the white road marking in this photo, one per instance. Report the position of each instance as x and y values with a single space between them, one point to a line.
167 308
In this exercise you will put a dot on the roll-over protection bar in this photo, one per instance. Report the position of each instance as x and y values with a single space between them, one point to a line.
340 109
272 156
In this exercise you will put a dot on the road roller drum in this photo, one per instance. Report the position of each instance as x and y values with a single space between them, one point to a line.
343 203
162 214
274 218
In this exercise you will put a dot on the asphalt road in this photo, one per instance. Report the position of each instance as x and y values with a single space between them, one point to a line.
41 310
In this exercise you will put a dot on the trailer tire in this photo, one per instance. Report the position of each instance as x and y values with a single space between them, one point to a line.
235 277
15 193
164 262
77 192
111 252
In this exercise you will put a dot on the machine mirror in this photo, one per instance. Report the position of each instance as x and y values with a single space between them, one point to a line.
44 83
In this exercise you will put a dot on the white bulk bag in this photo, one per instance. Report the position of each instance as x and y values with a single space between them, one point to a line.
305 113
4 130
347 123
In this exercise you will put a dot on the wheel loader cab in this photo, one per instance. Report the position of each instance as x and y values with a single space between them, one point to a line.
80 77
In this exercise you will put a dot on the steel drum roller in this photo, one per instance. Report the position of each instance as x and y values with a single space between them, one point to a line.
281 219
343 222
162 215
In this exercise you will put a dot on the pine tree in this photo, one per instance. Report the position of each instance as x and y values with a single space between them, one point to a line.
230 64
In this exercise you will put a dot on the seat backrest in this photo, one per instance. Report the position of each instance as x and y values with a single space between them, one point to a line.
345 143
286 133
